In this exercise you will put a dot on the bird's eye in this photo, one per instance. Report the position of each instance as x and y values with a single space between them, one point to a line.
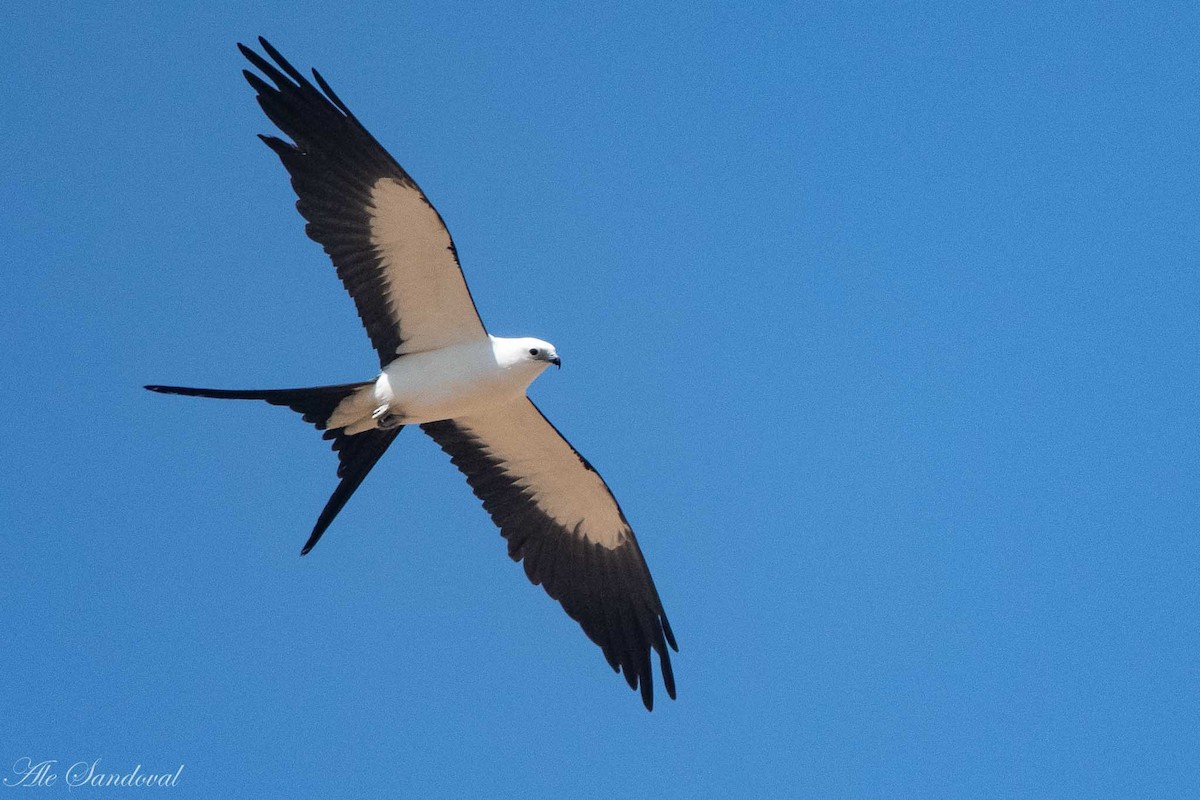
533 351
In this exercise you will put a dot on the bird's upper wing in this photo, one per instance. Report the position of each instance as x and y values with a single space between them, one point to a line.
389 245
560 517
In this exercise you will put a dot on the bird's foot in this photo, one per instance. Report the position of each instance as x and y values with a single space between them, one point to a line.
384 418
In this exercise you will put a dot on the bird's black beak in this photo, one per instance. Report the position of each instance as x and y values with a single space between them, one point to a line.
556 361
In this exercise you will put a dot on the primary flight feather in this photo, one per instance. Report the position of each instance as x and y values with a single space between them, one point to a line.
440 369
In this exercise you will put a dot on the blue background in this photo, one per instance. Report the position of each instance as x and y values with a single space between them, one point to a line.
880 321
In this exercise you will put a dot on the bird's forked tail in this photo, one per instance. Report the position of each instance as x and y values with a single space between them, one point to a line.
358 442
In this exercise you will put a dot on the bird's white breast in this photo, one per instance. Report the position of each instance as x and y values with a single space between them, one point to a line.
453 381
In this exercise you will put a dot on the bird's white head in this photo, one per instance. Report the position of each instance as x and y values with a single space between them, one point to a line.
525 351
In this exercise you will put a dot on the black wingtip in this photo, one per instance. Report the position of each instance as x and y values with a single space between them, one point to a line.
278 146
256 83
332 95
668 674
262 42
283 63
667 632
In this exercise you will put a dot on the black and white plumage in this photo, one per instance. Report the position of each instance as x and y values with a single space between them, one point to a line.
443 371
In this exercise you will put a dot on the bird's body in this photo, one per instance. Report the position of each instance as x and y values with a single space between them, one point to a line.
440 369
453 381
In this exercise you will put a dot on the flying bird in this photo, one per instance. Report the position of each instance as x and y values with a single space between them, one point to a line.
440 369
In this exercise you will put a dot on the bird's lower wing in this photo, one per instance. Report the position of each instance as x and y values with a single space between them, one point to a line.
560 518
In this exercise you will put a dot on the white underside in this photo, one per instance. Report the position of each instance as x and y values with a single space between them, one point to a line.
455 381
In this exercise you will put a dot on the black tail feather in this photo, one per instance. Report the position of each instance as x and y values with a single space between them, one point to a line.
316 403
357 454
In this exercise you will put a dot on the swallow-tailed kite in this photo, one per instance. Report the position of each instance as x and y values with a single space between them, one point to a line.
440 369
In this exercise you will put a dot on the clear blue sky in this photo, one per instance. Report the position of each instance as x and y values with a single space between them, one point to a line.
881 323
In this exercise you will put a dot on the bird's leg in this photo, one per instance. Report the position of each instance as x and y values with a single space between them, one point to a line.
384 418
